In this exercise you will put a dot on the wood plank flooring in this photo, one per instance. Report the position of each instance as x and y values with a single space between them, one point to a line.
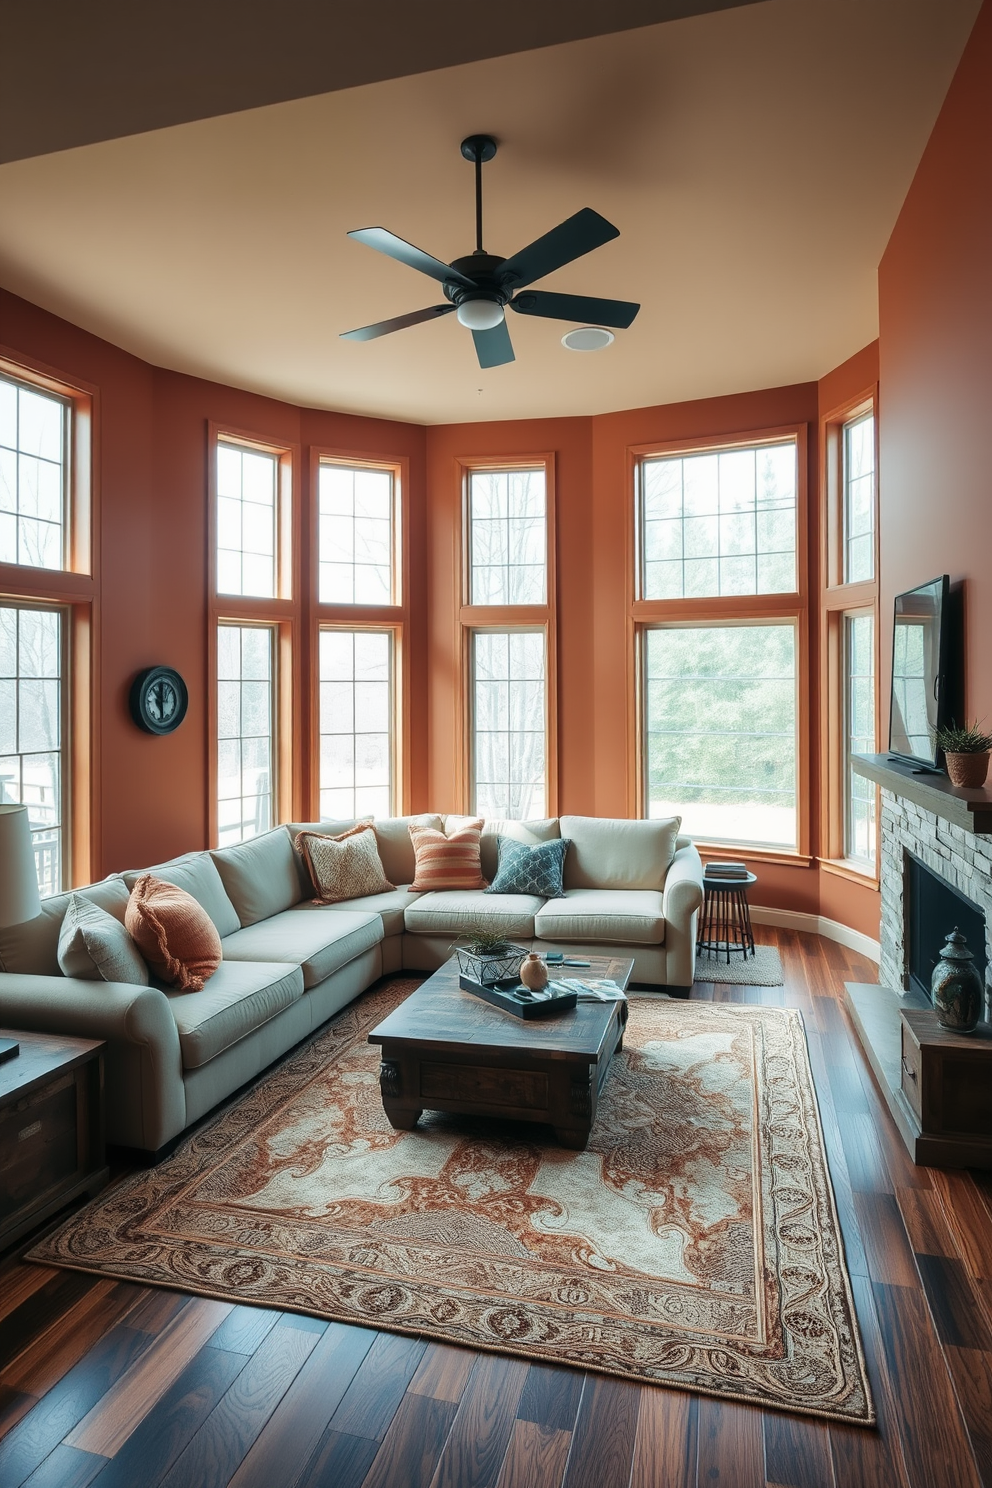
115 1384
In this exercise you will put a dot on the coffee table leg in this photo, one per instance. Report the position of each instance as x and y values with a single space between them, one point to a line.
575 1140
401 1117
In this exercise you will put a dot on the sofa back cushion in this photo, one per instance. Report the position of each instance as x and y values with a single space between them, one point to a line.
259 876
197 874
612 853
33 947
392 833
529 832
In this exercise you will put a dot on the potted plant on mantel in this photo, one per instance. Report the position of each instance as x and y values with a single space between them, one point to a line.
966 753
486 955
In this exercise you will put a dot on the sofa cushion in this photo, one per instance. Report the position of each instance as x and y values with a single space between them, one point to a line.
613 916
531 832
33 947
612 853
389 907
259 876
238 998
197 874
456 913
95 946
320 943
175 935
392 833
530 870
344 867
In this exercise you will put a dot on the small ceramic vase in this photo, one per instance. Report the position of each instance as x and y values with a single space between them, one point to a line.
534 973
956 986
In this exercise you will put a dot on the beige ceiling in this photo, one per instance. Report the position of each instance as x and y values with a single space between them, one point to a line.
754 160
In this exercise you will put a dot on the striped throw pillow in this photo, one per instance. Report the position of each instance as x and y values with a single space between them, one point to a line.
448 862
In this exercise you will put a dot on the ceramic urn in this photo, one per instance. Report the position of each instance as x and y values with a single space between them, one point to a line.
956 987
534 973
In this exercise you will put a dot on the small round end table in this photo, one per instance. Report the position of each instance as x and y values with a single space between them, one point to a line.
725 928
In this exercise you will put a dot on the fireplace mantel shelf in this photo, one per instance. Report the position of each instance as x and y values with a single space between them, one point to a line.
969 809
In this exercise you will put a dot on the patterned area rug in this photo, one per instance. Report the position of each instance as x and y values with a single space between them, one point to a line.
695 1243
763 969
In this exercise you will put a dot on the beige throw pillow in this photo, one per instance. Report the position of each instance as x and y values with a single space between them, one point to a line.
95 946
344 867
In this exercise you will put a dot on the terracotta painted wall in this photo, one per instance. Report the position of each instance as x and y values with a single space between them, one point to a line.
935 318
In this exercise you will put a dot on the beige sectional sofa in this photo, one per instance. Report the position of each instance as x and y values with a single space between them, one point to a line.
289 964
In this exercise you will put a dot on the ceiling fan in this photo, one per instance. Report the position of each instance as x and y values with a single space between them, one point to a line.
479 286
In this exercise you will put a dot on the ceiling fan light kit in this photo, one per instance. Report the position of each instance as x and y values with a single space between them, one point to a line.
480 285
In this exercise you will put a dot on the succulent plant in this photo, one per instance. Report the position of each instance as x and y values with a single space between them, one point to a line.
970 739
485 936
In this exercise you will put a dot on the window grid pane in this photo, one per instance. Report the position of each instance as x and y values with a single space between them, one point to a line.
32 476
31 731
859 499
245 734
509 718
508 539
859 735
356 723
247 482
720 730
719 523
355 535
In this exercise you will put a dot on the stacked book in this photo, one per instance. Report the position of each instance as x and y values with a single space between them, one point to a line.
725 870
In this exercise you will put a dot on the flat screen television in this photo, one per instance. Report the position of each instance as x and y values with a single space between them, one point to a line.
919 672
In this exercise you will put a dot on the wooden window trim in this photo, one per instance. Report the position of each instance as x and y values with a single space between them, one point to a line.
283 614
838 599
469 618
643 614
75 590
395 617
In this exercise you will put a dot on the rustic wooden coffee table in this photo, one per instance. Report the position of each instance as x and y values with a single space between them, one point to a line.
445 1050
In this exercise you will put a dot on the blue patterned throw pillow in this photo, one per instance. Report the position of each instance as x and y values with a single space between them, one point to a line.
530 870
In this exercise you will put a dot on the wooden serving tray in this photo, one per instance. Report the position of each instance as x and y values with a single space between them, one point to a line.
505 995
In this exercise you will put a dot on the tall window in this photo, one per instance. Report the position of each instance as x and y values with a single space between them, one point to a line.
247 489
245 730
356 535
31 764
719 523
507 620
859 668
34 427
848 637
356 723
509 729
720 730
859 499
717 604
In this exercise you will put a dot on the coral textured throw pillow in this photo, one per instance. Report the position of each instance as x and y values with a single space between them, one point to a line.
448 862
175 935
344 867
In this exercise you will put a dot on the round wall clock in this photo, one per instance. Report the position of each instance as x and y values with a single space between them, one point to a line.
158 700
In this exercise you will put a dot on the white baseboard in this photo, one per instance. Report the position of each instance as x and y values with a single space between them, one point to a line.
811 924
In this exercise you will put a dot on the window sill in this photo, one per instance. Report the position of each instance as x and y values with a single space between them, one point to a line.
709 850
867 877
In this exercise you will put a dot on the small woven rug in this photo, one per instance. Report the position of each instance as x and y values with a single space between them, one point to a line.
763 969
694 1243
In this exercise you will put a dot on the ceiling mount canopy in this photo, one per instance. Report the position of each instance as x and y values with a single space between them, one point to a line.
480 285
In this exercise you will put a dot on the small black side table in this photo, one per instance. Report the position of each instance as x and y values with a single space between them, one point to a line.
725 927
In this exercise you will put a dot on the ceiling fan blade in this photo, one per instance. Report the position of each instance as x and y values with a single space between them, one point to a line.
587 308
383 241
572 238
494 347
398 323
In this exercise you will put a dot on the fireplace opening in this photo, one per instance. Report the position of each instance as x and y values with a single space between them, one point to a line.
933 908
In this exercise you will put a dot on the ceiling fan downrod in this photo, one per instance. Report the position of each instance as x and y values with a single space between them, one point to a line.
478 148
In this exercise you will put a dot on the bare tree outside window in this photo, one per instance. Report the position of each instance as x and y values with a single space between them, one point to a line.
31 767
245 735
356 723
355 535
509 724
33 438
508 538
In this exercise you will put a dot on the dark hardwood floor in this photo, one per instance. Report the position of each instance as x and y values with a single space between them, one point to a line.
107 1382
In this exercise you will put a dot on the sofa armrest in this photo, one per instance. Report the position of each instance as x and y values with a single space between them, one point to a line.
684 884
145 1096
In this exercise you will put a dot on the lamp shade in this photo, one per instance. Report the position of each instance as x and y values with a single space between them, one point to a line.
19 900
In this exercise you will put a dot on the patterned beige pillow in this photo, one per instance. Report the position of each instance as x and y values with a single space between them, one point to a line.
344 867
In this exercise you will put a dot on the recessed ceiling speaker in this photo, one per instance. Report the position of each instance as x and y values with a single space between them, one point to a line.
587 338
